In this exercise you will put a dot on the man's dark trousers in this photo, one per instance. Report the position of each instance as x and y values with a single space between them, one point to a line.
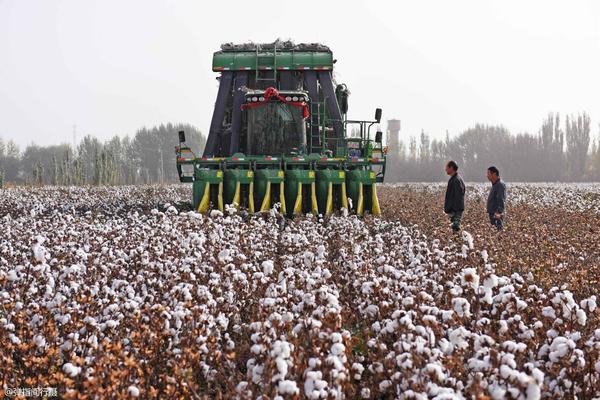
455 217
497 222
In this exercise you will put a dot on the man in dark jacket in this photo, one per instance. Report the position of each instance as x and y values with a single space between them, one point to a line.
496 198
454 205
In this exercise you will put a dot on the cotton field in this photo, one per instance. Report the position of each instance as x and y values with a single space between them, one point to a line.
124 292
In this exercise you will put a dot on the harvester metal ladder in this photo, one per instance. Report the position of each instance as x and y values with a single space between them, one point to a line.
266 61
315 140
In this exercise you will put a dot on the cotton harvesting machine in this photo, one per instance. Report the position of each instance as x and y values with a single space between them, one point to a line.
280 136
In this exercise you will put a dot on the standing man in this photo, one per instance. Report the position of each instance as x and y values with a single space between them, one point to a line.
496 198
454 205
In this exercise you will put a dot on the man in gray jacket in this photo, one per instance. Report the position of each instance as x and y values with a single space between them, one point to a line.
496 198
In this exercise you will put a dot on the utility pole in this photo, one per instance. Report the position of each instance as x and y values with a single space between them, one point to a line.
162 166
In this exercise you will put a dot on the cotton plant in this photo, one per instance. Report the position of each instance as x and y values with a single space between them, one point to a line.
150 300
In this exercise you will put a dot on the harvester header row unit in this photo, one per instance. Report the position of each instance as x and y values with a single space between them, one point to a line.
280 135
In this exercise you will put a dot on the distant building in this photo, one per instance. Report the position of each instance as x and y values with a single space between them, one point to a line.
393 136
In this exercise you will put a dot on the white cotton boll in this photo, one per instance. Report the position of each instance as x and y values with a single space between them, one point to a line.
461 307
365 393
358 368
133 391
465 251
216 214
367 287
314 386
111 323
67 345
581 317
469 277
257 348
172 210
458 337
447 315
281 349
467 237
589 304
497 392
533 391
14 339
372 310
267 267
336 337
268 302
487 295
39 252
241 386
12 276
288 387
505 371
384 385
521 305
39 341
484 256
549 312
491 281
282 368
308 257
71 370
408 301
560 347
514 347
436 371
224 256
337 349
314 362
537 374
63 319
320 252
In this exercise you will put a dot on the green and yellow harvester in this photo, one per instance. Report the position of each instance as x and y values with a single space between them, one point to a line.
280 135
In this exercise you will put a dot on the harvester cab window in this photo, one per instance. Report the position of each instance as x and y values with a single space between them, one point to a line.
275 128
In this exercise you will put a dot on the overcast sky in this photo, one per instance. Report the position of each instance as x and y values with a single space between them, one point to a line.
111 67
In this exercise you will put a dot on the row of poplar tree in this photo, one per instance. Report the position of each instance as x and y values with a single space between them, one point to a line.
562 150
146 157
